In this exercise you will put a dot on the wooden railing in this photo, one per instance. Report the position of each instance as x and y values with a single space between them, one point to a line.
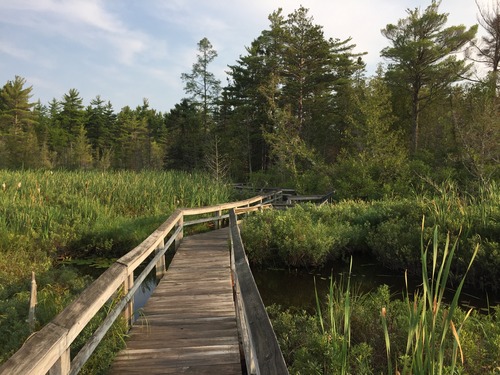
262 352
48 350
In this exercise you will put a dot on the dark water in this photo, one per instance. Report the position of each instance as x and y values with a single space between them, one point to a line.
293 288
96 266
296 288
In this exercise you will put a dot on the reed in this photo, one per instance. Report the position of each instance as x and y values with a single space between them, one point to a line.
338 312
430 320
46 213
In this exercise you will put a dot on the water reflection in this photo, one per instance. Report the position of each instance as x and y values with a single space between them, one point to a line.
295 289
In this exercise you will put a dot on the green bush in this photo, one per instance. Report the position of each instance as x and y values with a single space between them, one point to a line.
389 229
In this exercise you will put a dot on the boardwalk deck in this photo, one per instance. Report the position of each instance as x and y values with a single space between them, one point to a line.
188 325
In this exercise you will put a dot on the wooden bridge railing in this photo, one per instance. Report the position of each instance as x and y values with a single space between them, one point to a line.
262 352
48 350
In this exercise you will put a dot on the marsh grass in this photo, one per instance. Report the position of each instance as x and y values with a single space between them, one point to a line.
335 321
430 320
44 214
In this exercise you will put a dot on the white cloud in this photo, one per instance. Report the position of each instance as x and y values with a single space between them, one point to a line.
85 22
14 51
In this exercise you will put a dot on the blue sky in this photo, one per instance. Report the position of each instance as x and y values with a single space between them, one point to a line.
126 50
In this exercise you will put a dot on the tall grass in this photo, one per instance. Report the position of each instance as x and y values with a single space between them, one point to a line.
46 213
429 319
335 320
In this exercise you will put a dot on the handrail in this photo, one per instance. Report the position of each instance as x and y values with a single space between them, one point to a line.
262 352
48 350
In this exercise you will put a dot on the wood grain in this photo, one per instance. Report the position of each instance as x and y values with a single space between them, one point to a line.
188 325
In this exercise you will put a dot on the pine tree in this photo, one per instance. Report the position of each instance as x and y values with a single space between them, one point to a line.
100 125
184 147
17 121
201 84
423 62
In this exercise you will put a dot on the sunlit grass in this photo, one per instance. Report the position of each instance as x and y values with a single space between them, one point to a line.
432 325
44 214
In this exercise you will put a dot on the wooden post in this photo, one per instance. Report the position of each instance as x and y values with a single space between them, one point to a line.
218 221
160 265
128 312
179 237
63 364
33 302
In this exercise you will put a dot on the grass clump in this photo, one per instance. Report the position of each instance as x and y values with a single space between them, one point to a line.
375 333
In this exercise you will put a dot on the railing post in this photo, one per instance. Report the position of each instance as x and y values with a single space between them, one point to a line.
33 302
179 237
219 221
128 311
63 364
160 265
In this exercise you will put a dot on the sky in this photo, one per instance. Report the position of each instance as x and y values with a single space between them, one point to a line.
128 50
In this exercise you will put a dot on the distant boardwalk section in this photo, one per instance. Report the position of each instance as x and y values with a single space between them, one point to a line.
188 325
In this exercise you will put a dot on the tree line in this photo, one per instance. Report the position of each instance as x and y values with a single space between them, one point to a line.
298 109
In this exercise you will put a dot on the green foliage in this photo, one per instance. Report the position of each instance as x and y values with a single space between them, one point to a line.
389 229
476 115
431 347
423 58
374 333
201 83
48 214
293 237
55 290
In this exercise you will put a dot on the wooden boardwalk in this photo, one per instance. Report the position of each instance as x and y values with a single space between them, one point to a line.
188 325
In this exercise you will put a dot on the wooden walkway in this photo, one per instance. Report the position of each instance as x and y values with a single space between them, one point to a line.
188 325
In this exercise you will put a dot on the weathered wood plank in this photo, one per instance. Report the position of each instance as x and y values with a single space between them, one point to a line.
262 352
188 325
50 336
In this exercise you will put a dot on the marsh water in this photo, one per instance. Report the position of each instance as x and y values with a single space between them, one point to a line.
293 288
296 289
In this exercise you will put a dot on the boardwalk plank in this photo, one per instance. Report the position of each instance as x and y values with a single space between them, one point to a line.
188 325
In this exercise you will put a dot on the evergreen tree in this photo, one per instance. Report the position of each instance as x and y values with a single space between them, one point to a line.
58 138
71 119
17 121
157 133
42 129
72 116
488 51
293 72
99 126
132 142
81 155
201 83
423 61
378 155
186 138
476 117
